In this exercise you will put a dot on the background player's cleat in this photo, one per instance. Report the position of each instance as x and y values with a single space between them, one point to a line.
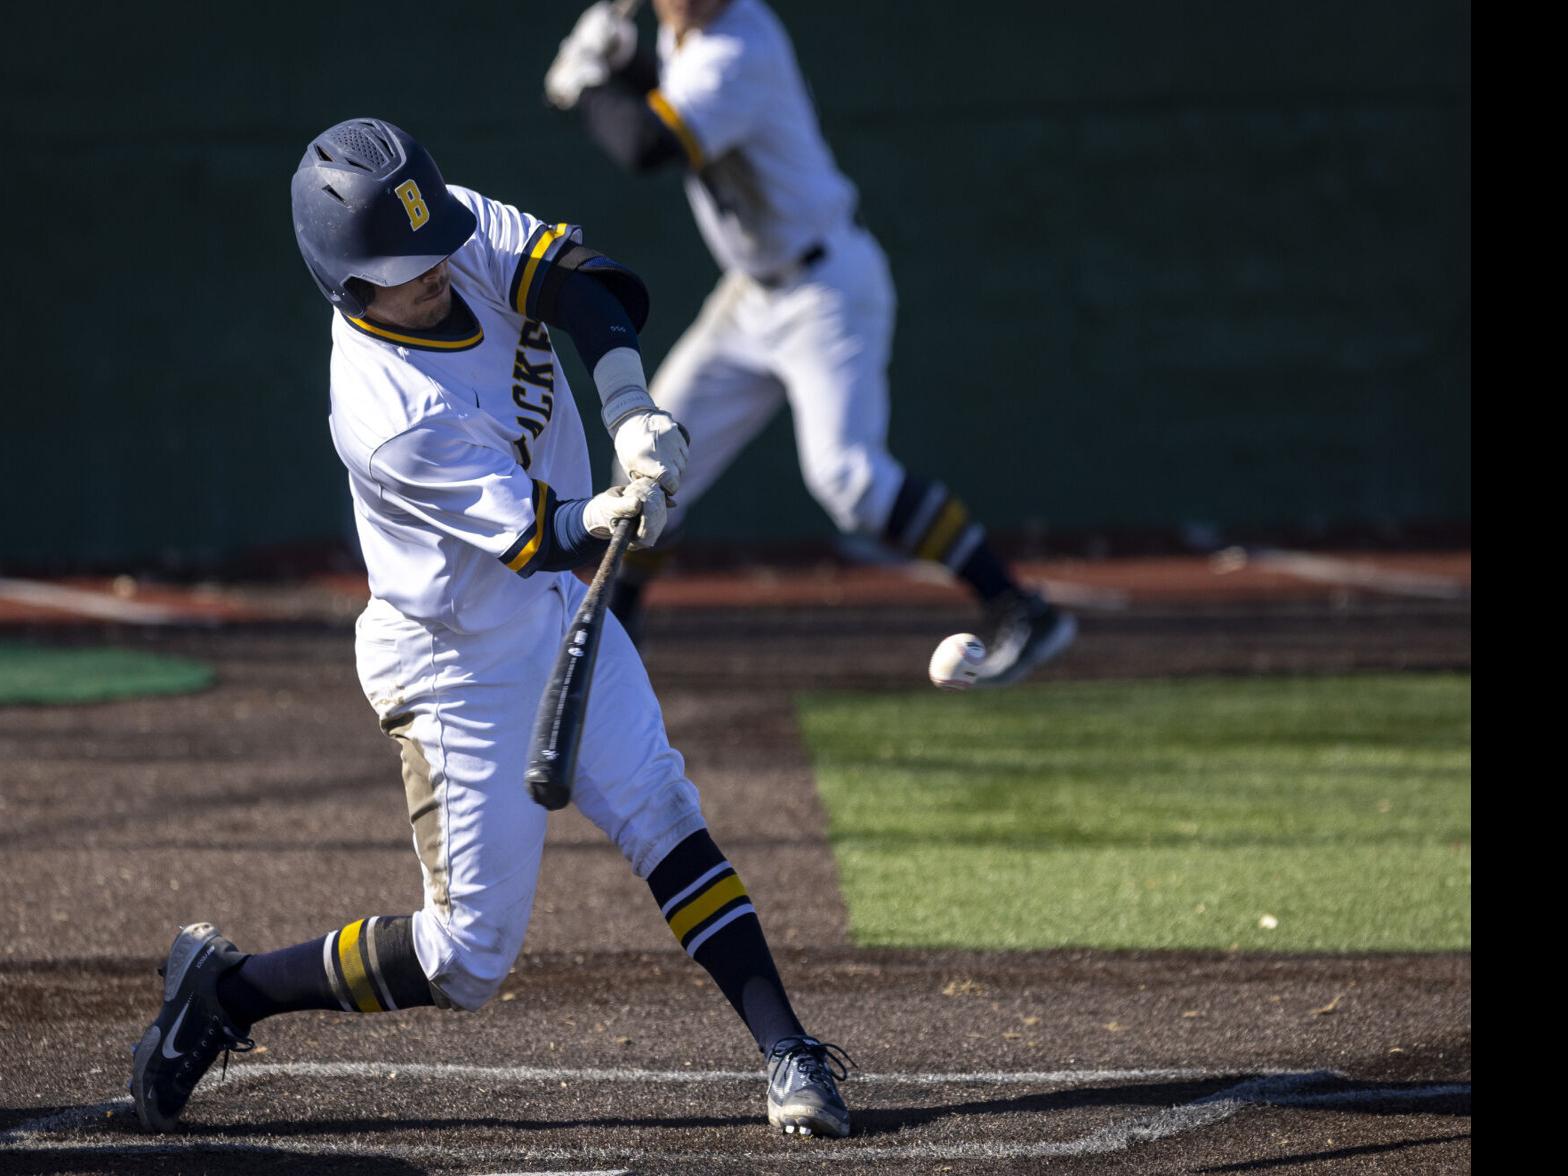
803 1097
191 1029
1026 631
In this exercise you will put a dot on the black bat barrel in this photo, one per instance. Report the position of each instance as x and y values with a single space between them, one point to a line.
558 724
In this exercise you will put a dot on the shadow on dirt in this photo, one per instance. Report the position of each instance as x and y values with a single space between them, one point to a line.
1161 1096
1342 1154
205 1158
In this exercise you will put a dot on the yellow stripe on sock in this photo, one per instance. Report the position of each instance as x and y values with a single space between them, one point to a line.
725 890
943 531
354 970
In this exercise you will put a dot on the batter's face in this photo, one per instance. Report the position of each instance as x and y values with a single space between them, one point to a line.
420 304
682 16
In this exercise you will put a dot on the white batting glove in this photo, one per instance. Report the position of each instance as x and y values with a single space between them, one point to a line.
619 502
569 75
604 33
649 444
602 42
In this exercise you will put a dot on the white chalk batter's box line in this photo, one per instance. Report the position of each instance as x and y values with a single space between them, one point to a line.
1261 1088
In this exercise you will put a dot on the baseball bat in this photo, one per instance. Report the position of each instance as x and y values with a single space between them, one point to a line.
627 8
558 724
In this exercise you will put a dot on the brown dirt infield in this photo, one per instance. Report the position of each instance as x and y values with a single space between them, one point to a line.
270 804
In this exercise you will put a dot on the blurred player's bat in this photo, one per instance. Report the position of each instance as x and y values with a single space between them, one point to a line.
626 8
558 724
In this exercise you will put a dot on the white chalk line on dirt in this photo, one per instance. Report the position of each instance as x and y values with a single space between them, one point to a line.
450 1070
1278 1088
1323 569
85 602
259 1071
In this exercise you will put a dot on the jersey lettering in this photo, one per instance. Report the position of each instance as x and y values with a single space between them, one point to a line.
413 204
533 388
542 374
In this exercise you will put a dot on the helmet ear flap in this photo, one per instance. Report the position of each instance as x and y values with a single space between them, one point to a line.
359 292
348 299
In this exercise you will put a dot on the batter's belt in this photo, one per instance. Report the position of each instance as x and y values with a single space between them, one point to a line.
808 258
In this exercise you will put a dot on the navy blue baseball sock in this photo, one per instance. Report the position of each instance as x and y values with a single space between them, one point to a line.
985 572
367 967
707 907
928 522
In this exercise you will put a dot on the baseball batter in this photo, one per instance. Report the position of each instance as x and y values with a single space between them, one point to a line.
803 313
469 473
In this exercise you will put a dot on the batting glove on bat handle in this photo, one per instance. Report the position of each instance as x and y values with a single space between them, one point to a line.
640 502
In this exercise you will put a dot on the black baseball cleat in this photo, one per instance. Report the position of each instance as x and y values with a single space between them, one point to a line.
803 1097
191 1029
1026 631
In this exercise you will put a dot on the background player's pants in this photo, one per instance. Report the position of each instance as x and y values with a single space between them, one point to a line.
822 344
461 707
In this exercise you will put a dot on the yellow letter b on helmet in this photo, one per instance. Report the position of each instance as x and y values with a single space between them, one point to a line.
413 204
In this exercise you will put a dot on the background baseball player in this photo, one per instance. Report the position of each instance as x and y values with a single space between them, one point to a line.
803 313
469 473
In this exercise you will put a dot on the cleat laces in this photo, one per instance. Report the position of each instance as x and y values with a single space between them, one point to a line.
813 1059
216 1035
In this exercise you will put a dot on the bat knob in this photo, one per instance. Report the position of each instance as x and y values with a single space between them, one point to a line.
544 785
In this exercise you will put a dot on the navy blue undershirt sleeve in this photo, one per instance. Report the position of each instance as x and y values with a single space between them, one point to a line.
594 318
618 118
641 73
571 545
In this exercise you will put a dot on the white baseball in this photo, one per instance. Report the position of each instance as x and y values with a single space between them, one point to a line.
956 661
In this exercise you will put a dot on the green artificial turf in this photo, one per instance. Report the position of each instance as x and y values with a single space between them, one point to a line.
40 675
1173 814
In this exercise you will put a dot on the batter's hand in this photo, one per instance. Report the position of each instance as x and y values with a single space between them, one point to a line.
650 444
619 502
602 42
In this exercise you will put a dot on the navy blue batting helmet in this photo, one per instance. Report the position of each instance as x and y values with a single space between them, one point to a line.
370 206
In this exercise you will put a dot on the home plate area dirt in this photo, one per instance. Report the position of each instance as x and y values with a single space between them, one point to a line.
271 805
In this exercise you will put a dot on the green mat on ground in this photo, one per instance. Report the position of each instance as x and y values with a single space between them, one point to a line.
1285 814
38 674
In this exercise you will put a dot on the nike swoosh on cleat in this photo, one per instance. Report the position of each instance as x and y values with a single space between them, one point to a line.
174 1031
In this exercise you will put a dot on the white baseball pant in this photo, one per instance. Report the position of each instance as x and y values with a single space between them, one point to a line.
821 342
461 707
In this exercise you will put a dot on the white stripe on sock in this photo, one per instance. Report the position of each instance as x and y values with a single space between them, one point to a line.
743 909
328 951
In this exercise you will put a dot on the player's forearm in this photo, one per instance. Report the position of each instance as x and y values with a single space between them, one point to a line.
606 341
619 119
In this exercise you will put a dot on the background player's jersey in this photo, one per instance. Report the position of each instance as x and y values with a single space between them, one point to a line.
764 185
456 438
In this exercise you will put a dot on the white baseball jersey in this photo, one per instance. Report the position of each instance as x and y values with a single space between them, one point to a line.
454 440
763 183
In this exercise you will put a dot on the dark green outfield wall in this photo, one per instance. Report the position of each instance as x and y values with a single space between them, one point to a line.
1158 262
